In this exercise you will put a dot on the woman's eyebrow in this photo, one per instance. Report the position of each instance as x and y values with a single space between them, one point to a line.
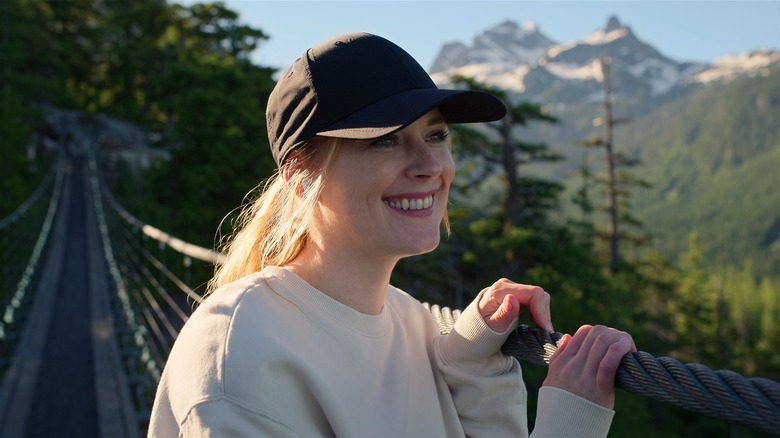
436 121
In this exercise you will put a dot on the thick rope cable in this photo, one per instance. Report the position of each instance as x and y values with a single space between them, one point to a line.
752 402
186 248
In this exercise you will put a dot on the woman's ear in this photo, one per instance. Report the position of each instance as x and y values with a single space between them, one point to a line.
301 184
287 173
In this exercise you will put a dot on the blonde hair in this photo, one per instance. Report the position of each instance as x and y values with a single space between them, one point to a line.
272 229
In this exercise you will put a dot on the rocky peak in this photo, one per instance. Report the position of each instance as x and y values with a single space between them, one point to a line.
507 43
613 24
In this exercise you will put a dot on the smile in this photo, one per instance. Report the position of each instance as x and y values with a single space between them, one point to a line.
411 204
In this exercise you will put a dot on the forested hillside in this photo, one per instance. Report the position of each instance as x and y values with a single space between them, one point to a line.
713 159
185 74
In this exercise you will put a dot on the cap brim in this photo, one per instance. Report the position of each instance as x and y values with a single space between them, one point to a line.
400 110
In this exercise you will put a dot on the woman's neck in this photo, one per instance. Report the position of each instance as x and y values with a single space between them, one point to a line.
353 281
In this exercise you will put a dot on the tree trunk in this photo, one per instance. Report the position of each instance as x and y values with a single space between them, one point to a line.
612 207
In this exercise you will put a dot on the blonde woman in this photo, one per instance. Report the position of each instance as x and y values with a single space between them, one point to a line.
303 335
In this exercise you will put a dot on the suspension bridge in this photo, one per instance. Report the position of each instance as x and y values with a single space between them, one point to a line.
91 300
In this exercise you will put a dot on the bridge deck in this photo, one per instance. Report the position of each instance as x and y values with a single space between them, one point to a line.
65 378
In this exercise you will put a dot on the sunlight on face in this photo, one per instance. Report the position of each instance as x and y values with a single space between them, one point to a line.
386 197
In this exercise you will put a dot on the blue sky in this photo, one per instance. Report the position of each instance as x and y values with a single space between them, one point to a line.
684 30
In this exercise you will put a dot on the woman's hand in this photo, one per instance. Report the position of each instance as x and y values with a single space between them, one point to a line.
502 302
586 363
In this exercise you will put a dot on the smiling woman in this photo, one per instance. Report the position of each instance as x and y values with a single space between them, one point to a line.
302 326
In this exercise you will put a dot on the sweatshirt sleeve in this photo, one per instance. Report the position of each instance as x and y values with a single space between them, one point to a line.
561 413
486 386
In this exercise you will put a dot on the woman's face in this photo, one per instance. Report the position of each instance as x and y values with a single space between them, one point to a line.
386 198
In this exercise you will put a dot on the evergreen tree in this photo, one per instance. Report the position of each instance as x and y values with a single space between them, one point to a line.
212 101
25 81
526 199
696 310
616 184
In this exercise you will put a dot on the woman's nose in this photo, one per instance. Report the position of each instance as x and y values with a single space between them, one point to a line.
425 161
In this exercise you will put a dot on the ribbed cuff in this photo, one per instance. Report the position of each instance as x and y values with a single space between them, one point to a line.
563 414
471 341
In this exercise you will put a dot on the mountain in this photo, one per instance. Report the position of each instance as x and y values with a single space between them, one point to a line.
520 58
499 56
707 135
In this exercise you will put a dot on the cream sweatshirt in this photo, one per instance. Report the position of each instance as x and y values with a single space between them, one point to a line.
269 355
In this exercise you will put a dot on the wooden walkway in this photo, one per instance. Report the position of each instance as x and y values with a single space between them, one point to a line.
66 379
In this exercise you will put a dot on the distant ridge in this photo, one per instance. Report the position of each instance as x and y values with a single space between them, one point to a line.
522 59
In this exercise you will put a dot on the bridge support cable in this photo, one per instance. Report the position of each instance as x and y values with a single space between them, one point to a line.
24 235
141 281
168 313
751 402
116 413
185 248
19 380
130 333
151 302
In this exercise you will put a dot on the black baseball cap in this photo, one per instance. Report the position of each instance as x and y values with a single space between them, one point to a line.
362 86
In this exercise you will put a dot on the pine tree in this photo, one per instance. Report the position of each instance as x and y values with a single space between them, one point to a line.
617 185
526 198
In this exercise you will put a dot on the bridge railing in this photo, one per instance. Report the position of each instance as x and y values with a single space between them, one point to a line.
24 235
151 272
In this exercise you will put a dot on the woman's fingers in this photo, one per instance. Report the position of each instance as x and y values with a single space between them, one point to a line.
539 304
586 363
609 364
505 313
499 311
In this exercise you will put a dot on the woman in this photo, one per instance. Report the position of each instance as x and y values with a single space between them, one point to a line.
304 336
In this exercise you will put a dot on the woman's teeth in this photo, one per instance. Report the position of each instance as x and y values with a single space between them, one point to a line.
411 204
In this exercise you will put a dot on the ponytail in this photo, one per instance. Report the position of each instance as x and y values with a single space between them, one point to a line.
272 230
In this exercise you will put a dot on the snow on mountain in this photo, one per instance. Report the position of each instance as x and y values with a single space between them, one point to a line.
734 65
521 59
611 32
500 56
505 45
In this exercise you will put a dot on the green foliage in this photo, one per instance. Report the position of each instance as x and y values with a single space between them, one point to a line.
694 309
20 87
526 199
714 169
219 151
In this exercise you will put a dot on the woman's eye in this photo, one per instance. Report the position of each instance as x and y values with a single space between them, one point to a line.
387 140
440 136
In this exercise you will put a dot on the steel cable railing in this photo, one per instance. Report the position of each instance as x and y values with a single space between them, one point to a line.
135 256
151 301
752 402
131 334
24 235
